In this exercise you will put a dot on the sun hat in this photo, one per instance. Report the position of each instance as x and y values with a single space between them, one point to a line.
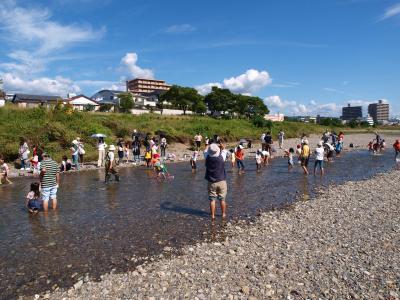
112 148
214 150
74 142
305 142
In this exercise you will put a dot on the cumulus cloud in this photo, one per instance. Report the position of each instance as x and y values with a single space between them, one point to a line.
247 83
179 28
390 12
59 86
129 61
276 104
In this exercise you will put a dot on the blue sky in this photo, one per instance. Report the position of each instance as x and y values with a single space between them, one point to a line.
300 56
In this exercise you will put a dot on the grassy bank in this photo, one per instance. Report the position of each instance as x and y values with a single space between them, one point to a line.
55 130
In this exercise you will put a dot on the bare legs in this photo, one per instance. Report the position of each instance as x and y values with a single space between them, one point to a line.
223 209
46 205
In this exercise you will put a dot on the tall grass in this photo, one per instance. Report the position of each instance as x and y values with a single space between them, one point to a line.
55 129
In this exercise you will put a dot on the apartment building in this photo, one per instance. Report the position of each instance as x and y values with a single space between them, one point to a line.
379 111
146 86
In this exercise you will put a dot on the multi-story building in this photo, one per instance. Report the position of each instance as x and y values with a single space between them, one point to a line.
350 113
379 111
146 86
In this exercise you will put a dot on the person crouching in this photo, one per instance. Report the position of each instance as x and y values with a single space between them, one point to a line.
110 165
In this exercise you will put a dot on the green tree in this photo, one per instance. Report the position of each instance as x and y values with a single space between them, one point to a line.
221 100
183 98
125 101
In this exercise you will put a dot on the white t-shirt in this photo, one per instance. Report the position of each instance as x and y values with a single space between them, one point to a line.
224 154
258 158
101 146
330 147
265 153
319 153
111 156
262 138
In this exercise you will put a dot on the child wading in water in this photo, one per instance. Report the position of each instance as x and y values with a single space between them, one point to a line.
33 201
4 172
289 154
259 159
193 161
239 154
147 158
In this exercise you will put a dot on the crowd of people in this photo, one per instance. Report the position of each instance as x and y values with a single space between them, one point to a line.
151 151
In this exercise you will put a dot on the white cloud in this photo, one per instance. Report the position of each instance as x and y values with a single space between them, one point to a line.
179 28
129 61
204 89
276 104
390 12
247 83
33 27
58 86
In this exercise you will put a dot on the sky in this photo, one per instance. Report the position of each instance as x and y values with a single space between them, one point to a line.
302 57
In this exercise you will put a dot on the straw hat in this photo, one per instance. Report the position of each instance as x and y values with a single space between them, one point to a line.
111 148
214 150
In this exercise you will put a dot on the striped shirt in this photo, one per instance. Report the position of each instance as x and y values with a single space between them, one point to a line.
49 178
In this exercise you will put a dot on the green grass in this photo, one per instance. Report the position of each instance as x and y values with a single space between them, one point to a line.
55 130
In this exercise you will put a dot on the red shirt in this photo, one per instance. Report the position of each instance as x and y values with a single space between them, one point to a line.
396 146
239 154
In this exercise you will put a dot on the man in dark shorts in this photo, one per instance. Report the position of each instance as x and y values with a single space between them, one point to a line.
268 142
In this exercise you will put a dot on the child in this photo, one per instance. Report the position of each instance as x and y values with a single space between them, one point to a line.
259 159
383 145
4 171
338 148
371 146
193 161
147 158
396 147
161 170
66 164
319 158
330 150
289 154
298 153
233 157
33 201
266 155
239 158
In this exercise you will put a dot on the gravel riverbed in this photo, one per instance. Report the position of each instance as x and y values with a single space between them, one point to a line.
344 244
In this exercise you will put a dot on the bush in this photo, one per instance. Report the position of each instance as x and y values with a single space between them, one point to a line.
260 122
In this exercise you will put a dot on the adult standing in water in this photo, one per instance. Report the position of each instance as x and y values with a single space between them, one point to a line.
110 165
216 177
81 150
136 149
49 181
281 137
268 142
319 158
163 146
305 156
75 154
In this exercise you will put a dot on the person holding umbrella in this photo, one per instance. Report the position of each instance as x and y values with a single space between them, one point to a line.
101 148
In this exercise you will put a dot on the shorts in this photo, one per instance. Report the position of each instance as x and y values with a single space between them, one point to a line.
217 190
319 163
330 154
304 161
49 193
34 204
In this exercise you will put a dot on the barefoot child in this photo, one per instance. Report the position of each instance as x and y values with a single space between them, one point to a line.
259 159
239 158
4 172
33 201
289 154
193 161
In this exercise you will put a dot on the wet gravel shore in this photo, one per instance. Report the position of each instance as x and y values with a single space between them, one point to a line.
344 244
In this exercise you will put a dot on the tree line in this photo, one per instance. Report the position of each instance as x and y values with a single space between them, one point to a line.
219 102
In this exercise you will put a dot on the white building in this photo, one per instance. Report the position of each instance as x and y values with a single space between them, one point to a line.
369 120
275 117
81 102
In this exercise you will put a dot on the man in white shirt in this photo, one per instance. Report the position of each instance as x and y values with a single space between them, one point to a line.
319 158
197 139
110 165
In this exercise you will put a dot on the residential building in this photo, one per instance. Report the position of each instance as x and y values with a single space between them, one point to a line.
379 111
81 102
31 101
107 97
351 112
141 85
275 117
369 120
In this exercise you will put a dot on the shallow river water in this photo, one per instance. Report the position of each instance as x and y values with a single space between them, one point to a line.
99 227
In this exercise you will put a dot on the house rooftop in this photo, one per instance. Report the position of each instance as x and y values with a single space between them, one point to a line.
34 98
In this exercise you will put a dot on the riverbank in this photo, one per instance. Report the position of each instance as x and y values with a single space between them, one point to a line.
342 245
183 151
55 130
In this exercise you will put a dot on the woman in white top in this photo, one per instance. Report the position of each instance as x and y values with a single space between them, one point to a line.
101 147
319 158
